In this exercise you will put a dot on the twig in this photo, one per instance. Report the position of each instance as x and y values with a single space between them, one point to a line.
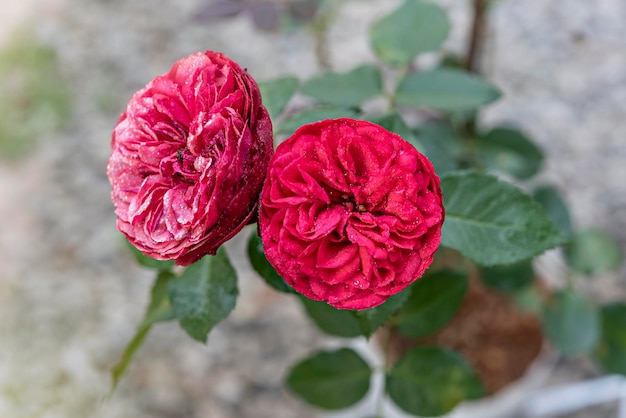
477 34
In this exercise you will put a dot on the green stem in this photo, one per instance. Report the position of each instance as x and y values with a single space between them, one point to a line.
384 341
390 88
320 27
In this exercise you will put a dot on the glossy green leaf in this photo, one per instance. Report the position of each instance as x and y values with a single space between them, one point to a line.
508 151
277 93
263 267
204 294
346 89
433 301
394 123
413 28
333 321
572 323
442 146
611 351
159 309
591 251
508 278
431 381
493 222
304 117
149 262
445 89
551 200
372 319
331 379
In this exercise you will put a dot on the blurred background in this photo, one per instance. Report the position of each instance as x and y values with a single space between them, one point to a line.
70 293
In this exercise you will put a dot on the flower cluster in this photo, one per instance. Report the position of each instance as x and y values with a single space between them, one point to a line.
350 213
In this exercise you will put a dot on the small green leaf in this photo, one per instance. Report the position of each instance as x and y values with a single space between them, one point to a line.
331 379
263 267
345 90
158 310
204 294
591 251
493 222
508 151
551 200
433 301
508 278
149 262
277 93
289 126
528 300
333 321
372 319
413 28
442 146
431 381
393 122
611 351
445 89
572 323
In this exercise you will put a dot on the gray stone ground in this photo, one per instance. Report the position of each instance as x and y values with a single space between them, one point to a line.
70 297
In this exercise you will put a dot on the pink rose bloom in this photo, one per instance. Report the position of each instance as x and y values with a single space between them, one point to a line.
189 157
351 213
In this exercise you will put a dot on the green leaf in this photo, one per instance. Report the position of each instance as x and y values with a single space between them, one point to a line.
591 251
277 93
331 379
333 321
493 222
445 89
528 300
159 309
395 123
345 90
551 200
372 319
611 351
289 126
508 278
263 267
442 146
508 151
149 262
431 381
413 28
204 294
350 324
433 301
572 323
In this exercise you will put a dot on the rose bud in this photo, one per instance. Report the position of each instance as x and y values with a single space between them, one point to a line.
351 213
189 156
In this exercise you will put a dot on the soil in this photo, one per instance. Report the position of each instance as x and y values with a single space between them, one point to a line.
494 336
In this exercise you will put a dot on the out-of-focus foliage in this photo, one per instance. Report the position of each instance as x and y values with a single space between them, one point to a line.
34 98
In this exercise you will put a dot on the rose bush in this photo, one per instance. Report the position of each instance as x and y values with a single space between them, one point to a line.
188 160
351 213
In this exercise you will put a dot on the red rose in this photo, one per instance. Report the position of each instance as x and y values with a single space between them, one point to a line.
351 213
189 157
